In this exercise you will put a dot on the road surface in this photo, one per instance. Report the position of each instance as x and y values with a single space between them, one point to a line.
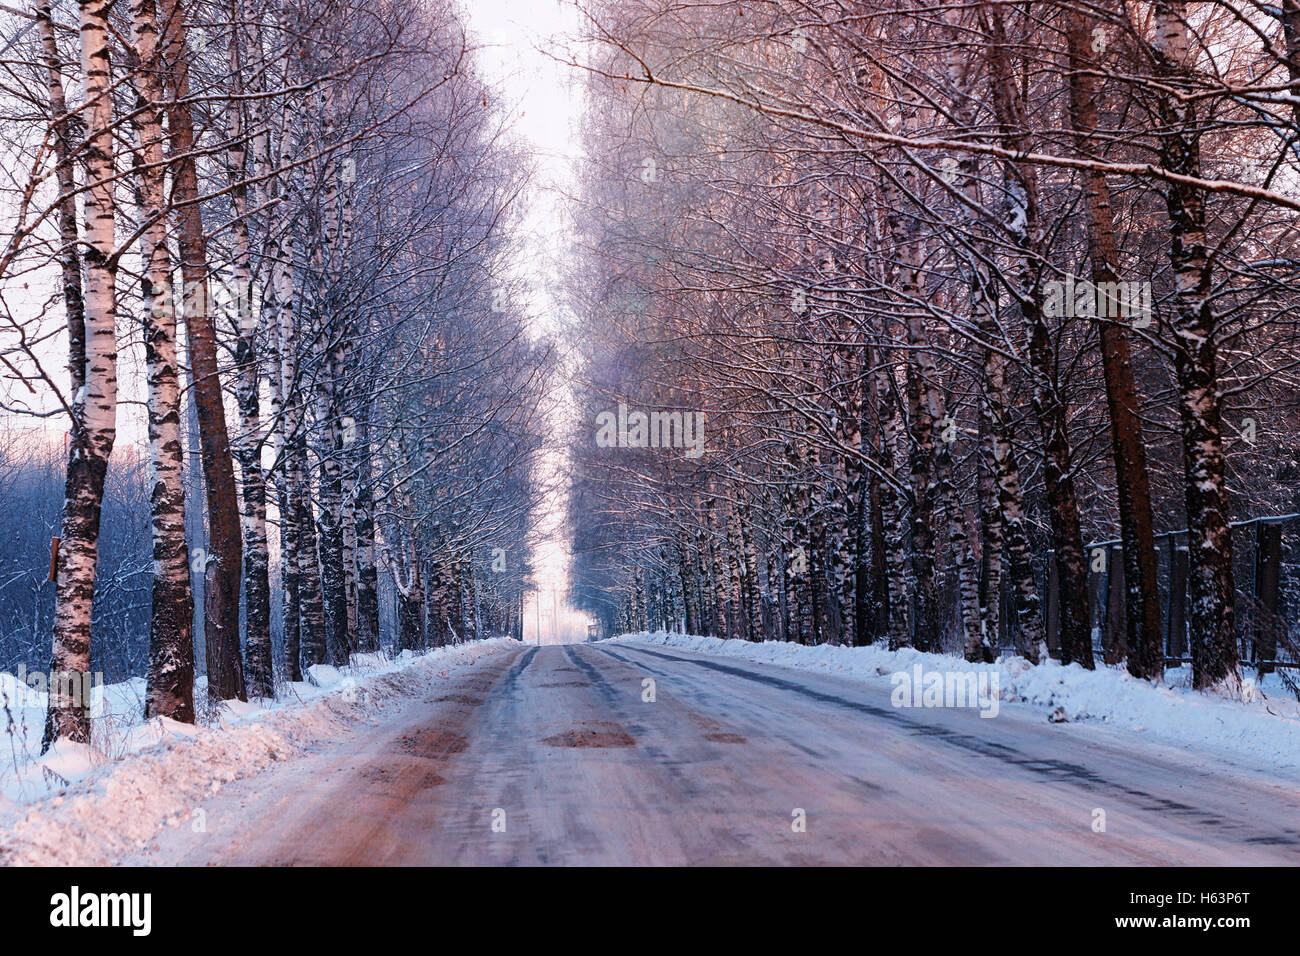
551 756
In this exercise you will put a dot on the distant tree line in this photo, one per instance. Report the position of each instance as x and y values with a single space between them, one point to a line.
290 222
961 290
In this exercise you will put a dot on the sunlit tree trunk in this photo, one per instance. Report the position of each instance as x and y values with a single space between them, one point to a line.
248 442
94 420
170 684
1144 637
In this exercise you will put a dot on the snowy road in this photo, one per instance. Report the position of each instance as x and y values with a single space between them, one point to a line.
550 756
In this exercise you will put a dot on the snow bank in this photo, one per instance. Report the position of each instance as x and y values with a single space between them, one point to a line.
90 804
1266 729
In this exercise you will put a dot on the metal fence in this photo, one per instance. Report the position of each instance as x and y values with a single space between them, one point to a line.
1266 573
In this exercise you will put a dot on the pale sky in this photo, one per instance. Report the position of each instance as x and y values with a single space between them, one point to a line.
546 100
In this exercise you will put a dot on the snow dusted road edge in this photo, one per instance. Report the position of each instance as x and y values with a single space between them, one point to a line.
172 767
1266 730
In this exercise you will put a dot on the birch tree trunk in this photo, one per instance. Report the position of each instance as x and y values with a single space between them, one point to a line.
991 529
367 568
305 638
1021 185
169 688
65 129
876 491
1008 532
894 520
752 594
331 333
1211 598
922 582
248 443
315 648
94 422
410 593
281 381
983 304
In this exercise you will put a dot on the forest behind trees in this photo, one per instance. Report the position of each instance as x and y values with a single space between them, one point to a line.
990 310
268 381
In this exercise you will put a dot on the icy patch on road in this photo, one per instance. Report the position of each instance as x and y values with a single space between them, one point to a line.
89 805
1266 729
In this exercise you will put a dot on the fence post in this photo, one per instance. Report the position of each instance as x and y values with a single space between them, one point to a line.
1053 610
1116 640
1176 639
1268 561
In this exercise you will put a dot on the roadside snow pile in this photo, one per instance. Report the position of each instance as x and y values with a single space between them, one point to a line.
1267 728
91 803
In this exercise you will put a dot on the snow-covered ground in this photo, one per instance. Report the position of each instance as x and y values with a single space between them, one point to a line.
86 804
1266 729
